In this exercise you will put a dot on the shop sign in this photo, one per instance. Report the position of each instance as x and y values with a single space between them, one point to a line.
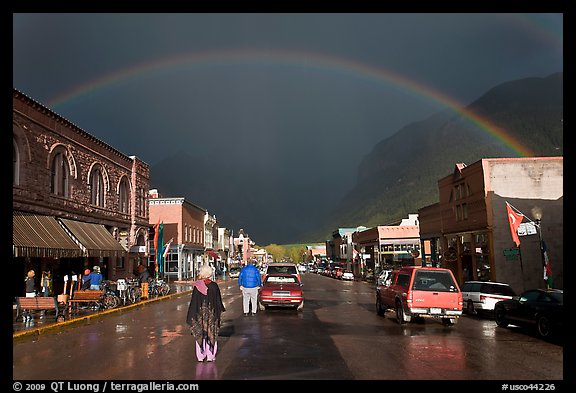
511 254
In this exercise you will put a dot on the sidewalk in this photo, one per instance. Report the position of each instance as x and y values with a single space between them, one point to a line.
42 322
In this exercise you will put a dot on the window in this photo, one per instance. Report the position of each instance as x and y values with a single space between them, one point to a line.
59 175
141 203
96 187
403 280
124 196
15 164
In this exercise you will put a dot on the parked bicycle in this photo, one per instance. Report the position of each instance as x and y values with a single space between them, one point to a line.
158 287
128 290
110 298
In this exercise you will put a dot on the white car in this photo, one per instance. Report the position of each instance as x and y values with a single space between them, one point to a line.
479 297
302 268
234 272
347 275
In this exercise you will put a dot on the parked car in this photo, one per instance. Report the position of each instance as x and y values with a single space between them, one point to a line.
479 297
302 268
281 290
281 267
415 291
539 309
347 275
234 272
383 277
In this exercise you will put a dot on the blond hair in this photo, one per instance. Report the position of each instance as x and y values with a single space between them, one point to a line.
205 272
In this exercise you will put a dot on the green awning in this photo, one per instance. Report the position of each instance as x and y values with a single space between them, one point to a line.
95 239
41 236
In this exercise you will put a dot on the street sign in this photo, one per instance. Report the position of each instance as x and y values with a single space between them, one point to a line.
527 228
512 254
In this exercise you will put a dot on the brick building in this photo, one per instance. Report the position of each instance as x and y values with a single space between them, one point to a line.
77 201
468 229
183 222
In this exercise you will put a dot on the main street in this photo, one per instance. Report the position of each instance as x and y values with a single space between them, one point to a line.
337 336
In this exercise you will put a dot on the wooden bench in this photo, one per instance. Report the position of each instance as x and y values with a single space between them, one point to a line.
85 296
42 303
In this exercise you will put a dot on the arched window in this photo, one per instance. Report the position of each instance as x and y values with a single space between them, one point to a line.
59 175
96 187
124 196
15 164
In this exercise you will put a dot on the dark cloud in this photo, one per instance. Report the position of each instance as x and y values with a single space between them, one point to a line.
305 116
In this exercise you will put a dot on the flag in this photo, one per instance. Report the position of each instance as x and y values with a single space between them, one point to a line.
514 219
156 240
547 266
159 250
167 248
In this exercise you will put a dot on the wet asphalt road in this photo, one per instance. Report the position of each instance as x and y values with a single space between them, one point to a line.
337 336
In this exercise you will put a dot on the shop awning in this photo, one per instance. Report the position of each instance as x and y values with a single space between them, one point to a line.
42 237
95 239
214 254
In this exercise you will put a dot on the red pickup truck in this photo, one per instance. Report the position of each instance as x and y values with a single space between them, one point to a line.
415 291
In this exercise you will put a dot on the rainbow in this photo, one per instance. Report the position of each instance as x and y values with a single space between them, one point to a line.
296 59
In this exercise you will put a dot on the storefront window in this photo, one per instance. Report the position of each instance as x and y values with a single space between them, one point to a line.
482 256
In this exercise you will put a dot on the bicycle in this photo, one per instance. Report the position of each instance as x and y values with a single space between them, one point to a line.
158 287
110 299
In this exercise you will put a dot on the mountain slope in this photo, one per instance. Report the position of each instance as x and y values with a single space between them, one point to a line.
400 174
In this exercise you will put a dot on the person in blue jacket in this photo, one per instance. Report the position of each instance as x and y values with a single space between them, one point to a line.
250 282
95 278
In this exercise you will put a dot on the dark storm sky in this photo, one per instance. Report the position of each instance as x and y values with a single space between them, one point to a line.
300 94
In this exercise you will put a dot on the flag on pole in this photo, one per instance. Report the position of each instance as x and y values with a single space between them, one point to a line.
547 266
160 249
167 248
156 226
515 219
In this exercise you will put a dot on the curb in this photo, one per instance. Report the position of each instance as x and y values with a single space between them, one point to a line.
38 330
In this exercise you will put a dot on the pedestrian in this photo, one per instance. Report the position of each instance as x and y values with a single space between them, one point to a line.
143 277
143 273
30 288
250 282
46 283
95 278
86 280
30 284
204 312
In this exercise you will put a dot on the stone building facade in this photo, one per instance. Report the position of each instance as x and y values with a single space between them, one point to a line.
97 195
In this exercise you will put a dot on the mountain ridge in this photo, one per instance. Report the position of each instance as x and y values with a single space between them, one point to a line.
529 109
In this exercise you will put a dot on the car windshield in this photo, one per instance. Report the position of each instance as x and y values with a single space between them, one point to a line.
281 280
498 290
281 269
430 280
558 296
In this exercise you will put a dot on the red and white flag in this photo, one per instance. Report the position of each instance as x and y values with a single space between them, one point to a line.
515 219
167 248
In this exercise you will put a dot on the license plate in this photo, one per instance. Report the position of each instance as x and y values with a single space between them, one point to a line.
435 311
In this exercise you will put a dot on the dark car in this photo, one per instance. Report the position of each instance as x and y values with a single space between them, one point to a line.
281 290
540 309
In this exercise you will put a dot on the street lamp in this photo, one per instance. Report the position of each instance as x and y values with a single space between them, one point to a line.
537 214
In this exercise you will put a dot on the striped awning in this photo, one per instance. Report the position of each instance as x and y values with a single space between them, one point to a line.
95 239
41 236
